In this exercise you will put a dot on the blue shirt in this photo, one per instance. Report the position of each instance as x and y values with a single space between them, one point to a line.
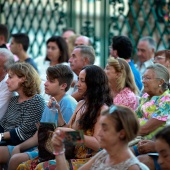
136 75
67 106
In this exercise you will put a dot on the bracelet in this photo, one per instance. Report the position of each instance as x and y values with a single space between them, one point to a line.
1 136
59 153
63 124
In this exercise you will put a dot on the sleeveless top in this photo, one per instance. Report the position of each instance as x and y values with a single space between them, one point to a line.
81 151
99 163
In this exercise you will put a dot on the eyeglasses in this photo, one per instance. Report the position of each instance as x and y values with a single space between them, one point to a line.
148 78
159 58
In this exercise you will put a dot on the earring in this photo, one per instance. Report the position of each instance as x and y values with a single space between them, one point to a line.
160 85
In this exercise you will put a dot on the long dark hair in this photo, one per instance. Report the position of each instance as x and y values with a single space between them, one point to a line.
62 45
97 94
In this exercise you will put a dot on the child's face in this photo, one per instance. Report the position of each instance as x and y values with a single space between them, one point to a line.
52 87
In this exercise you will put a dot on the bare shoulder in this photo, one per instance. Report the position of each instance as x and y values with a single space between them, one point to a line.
134 167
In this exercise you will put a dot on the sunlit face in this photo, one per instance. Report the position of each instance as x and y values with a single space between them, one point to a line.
81 41
108 136
111 73
150 82
77 62
162 60
52 87
163 148
67 34
144 52
53 51
2 70
81 85
14 47
14 82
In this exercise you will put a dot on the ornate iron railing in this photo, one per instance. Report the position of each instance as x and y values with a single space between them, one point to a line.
98 19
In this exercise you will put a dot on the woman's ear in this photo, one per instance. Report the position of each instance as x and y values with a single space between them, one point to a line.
122 134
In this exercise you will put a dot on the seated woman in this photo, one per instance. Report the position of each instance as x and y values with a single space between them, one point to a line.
122 83
114 135
153 111
93 85
24 110
163 57
162 146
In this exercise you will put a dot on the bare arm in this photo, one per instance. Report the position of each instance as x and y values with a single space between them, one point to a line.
151 125
92 141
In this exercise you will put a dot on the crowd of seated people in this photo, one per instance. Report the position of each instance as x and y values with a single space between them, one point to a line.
113 107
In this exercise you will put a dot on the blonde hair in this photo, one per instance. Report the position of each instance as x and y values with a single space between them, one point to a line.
31 85
126 78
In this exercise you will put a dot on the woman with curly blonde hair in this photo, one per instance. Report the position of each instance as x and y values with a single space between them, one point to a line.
25 109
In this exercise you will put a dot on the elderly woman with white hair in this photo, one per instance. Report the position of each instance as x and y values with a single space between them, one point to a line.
153 110
6 58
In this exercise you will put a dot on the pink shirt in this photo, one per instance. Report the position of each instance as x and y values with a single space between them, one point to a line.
126 98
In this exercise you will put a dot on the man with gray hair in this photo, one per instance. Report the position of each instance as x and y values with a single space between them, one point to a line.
145 53
81 56
6 59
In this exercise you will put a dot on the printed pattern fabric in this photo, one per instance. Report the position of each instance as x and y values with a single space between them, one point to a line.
157 107
99 163
126 98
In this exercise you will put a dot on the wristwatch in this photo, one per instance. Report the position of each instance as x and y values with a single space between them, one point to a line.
1 136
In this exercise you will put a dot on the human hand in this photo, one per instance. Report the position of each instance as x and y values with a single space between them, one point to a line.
57 140
146 146
51 101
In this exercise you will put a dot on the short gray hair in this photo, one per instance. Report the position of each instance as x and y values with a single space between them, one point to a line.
87 51
162 73
7 54
150 40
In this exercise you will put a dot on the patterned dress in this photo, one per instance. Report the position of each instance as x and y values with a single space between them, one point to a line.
157 107
99 163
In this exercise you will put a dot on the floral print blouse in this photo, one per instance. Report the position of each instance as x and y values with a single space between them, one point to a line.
157 107
126 97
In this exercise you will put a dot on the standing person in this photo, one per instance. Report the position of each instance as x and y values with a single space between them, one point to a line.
6 59
114 135
122 84
19 46
163 57
87 114
145 53
59 78
81 56
122 47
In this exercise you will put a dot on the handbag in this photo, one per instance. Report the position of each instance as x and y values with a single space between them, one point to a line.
43 140
69 147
